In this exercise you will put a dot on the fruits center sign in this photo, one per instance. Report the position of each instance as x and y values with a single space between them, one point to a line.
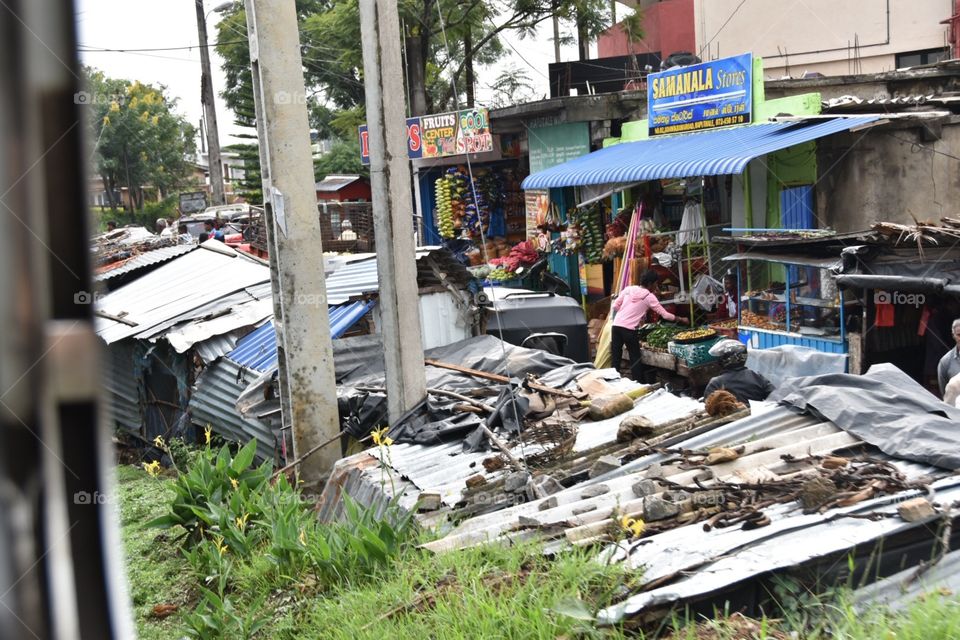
441 135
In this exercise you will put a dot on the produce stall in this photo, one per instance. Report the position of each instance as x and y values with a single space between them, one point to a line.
680 354
792 299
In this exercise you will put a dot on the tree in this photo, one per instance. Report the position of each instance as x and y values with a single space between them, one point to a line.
512 86
140 139
343 157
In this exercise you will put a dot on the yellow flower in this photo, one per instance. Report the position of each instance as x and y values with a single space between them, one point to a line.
207 431
106 121
242 521
221 548
144 116
133 103
153 469
303 537
159 442
233 481
380 437
156 120
114 107
634 526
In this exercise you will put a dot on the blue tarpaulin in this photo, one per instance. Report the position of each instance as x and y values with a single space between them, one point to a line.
720 152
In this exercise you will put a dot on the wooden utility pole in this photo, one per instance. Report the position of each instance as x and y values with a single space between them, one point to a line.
293 230
392 206
214 163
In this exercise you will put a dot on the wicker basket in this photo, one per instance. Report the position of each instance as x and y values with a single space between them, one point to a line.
694 354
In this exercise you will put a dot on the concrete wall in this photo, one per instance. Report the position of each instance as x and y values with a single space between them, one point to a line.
817 35
893 175
668 28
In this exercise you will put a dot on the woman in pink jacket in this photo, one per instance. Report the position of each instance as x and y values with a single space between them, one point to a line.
630 311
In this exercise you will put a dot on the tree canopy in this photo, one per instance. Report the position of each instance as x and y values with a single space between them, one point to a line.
139 139
443 43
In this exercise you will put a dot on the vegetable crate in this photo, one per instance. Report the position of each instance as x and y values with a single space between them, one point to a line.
694 354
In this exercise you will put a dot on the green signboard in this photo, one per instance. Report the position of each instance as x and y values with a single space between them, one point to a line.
553 145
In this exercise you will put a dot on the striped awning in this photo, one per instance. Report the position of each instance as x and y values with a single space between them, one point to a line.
710 153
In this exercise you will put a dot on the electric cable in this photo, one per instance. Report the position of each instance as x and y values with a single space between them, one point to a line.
486 257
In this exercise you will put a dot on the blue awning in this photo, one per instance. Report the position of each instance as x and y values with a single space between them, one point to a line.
710 153
258 349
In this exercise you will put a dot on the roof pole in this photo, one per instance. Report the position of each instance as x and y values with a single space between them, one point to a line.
303 328
392 206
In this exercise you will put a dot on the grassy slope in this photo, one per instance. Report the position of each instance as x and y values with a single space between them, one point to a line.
155 568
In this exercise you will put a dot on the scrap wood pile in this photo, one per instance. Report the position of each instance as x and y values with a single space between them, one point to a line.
921 232
661 503
116 247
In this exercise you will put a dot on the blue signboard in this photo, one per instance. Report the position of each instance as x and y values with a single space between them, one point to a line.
700 96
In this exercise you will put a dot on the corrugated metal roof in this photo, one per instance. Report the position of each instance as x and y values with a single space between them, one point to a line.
898 590
725 151
142 261
213 401
445 468
707 563
178 287
121 386
258 349
359 276
335 183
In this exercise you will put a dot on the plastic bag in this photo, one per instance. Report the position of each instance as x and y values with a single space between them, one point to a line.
603 359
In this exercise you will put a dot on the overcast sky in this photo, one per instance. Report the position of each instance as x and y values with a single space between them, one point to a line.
153 24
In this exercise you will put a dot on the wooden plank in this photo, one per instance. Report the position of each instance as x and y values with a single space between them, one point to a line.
493 377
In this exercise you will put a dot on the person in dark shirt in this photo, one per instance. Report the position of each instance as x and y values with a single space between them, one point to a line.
743 383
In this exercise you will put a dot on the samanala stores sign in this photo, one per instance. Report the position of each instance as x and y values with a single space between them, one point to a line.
701 96
441 135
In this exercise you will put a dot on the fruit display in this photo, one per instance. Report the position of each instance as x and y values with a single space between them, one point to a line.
590 222
490 204
445 223
695 335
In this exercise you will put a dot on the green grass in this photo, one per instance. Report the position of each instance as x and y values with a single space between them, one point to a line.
496 592
490 592
155 567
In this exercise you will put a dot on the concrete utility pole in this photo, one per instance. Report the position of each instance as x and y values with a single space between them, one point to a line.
392 201
215 164
303 326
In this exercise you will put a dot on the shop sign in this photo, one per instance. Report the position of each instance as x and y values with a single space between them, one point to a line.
193 201
553 145
700 96
442 135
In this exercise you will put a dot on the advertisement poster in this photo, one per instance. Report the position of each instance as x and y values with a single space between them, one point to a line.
700 96
414 141
537 202
555 144
456 133
442 135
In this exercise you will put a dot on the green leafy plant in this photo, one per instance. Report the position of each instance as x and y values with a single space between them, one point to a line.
219 494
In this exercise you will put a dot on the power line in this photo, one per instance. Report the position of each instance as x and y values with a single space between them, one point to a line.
87 47
722 27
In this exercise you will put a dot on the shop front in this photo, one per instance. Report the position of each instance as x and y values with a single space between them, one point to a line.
707 163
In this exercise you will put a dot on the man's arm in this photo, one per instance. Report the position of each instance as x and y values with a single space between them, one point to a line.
942 374
658 308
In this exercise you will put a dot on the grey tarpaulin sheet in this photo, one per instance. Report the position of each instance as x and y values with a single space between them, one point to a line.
435 420
885 408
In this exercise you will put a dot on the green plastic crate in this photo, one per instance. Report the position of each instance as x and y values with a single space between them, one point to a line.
694 354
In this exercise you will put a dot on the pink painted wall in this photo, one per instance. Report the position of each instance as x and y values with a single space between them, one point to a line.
669 27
